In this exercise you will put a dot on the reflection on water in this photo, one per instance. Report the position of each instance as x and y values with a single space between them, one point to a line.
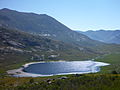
54 68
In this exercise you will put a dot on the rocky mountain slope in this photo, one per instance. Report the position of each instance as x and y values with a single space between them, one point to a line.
43 25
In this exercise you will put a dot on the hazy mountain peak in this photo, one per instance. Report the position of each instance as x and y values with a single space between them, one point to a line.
107 36
5 9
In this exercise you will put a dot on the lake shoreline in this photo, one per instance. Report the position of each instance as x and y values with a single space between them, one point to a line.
21 73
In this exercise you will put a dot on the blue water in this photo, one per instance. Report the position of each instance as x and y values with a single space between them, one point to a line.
54 68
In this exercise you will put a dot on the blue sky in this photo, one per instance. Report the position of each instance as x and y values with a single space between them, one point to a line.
76 14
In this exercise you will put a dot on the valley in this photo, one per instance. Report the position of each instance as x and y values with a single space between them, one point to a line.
30 37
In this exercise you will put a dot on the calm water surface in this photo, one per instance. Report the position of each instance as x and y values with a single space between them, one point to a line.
55 68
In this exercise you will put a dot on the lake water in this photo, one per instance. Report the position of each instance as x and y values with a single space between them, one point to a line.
64 67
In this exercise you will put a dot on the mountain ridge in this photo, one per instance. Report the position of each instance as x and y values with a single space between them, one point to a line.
107 36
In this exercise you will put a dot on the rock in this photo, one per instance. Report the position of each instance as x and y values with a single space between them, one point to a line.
64 77
53 56
14 43
49 81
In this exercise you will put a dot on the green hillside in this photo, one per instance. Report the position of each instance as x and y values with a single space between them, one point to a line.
114 60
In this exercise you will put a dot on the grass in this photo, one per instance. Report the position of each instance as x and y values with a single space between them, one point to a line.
113 60
73 82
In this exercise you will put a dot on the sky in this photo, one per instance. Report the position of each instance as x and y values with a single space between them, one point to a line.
76 14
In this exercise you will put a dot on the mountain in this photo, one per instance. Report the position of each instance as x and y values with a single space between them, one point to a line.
43 25
106 36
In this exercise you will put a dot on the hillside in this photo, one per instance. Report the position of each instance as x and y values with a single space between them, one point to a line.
106 36
114 60
43 25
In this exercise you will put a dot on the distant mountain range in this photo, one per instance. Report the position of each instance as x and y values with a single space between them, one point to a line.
106 36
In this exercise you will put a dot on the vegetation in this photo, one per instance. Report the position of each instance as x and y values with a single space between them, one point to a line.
108 81
113 60
72 82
